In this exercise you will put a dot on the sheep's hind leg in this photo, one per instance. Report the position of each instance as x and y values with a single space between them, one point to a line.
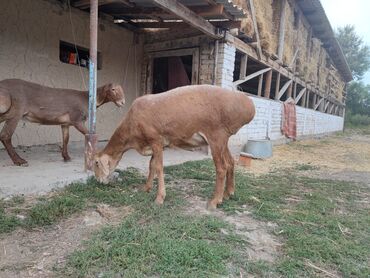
230 180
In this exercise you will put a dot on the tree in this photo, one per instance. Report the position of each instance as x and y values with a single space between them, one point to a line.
355 50
358 98
357 54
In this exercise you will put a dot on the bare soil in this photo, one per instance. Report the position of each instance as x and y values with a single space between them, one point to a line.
35 253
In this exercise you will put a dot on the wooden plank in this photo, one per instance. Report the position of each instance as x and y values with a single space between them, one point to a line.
181 25
268 84
332 108
318 103
294 58
295 90
306 100
300 95
284 88
195 68
251 76
282 30
187 15
243 66
290 90
277 87
84 4
260 83
326 106
254 20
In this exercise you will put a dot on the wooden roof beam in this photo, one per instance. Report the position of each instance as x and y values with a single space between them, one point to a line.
84 4
204 11
188 16
162 25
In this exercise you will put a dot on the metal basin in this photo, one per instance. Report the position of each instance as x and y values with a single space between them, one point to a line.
258 148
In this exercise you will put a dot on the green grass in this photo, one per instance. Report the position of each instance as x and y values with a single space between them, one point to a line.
320 222
327 226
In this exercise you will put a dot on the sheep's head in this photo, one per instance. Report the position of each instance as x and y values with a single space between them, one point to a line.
103 167
114 93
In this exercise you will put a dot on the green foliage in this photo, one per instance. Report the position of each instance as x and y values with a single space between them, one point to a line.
357 120
358 98
355 50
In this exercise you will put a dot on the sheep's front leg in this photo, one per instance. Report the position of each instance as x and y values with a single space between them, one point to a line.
158 166
65 133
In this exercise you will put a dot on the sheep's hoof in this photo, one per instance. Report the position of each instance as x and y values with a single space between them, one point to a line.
145 188
21 162
228 195
159 201
211 206
67 159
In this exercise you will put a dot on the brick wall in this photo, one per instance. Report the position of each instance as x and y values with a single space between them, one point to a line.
267 122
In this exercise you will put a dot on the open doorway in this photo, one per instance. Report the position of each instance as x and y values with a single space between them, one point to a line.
172 69
171 72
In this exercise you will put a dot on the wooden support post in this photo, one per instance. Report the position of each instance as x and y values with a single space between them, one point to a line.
300 95
277 87
268 84
260 84
284 88
282 30
243 66
307 100
91 138
290 90
314 101
326 106
318 104
295 90
251 76
304 99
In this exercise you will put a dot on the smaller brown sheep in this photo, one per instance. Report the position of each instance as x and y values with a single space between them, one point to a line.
32 102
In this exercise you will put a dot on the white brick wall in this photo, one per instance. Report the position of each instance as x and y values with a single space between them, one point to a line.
267 122
225 65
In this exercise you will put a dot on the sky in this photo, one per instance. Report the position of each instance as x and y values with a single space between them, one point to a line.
354 12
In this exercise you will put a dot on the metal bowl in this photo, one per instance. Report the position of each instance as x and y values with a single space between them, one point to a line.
258 148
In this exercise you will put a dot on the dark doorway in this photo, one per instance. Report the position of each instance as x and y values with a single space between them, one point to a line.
171 72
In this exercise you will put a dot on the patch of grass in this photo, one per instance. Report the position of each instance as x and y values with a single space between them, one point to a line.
306 167
325 226
168 245
72 199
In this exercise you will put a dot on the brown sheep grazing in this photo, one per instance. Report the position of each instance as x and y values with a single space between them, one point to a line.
32 102
184 117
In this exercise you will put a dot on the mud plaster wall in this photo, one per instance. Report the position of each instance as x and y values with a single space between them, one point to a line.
312 57
29 49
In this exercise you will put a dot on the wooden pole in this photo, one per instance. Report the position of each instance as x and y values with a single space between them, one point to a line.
268 84
243 66
91 137
277 89
260 83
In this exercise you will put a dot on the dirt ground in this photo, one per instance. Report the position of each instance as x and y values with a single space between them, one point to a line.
342 156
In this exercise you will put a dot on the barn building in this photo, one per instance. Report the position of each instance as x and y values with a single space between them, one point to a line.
273 50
